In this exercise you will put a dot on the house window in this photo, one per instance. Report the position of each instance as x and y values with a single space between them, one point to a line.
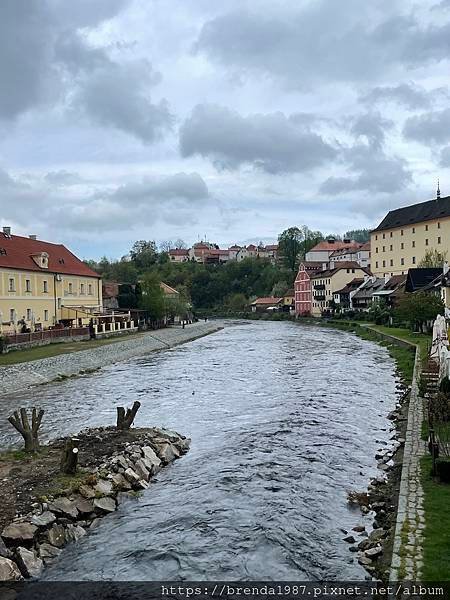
70 288
384 263
28 314
402 261
426 227
439 240
12 315
426 242
90 289
376 250
439 225
45 286
402 246
414 230
45 315
413 260
384 248
413 244
391 263
391 247
401 232
390 234
12 285
82 289
27 285
376 265
376 237
384 236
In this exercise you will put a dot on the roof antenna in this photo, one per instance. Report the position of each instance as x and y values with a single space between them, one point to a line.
438 191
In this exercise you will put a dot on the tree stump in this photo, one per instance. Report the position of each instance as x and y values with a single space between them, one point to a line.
125 420
29 433
69 457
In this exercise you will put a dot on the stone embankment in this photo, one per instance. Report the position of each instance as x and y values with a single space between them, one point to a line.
120 465
14 378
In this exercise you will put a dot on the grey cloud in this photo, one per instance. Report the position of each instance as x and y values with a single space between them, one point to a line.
409 95
169 199
445 157
86 13
429 128
271 142
373 127
370 171
63 178
327 40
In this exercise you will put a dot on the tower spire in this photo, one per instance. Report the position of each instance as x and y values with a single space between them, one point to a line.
438 191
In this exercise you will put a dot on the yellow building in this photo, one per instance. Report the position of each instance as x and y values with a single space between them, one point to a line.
404 236
325 283
43 284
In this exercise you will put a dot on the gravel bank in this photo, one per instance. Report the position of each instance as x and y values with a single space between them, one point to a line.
15 378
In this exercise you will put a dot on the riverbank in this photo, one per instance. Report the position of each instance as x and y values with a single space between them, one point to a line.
17 377
43 510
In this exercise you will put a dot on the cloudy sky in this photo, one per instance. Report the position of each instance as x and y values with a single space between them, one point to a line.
165 119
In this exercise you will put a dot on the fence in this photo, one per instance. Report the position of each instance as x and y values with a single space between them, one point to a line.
45 335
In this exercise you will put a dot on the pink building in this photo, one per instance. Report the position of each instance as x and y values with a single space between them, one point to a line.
302 287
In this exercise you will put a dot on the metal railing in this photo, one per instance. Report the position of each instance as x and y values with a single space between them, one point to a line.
45 334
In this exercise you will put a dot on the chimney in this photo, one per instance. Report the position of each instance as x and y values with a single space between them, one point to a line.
7 230
33 237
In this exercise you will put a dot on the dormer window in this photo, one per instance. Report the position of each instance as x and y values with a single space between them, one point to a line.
41 259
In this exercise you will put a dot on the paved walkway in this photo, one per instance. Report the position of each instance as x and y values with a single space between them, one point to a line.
14 378
407 554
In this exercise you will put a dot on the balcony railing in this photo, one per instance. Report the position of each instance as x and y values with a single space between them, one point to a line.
319 286
319 297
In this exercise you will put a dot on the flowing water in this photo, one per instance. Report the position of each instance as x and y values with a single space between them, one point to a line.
284 420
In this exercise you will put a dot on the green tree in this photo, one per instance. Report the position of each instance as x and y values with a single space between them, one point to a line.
280 288
359 235
152 297
433 258
418 308
124 272
290 246
236 302
144 254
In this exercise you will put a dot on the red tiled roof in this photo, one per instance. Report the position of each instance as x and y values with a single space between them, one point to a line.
337 245
19 251
178 252
268 300
338 266
217 252
252 247
234 248
272 247
365 246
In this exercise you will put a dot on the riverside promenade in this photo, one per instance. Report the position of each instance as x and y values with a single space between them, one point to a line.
15 378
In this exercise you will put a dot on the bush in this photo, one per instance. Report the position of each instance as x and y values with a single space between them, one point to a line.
443 469
439 408
445 386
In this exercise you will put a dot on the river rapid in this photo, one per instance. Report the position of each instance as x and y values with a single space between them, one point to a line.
284 420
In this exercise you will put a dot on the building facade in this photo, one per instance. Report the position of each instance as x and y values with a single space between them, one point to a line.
325 283
404 236
44 284
302 287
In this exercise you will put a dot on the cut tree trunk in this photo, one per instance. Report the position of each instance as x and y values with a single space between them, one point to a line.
29 433
125 420
69 457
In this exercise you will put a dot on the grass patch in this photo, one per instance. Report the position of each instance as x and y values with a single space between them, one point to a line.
423 340
20 356
436 547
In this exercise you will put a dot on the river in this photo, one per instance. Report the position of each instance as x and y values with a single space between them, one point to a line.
284 420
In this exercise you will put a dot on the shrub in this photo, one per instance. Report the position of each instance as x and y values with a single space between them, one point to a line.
445 386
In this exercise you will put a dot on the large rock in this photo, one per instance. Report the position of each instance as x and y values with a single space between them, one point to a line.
74 533
44 519
120 482
150 455
9 571
104 487
132 476
29 563
86 491
57 536
64 506
106 504
4 552
84 506
141 470
374 552
18 533
47 552
167 453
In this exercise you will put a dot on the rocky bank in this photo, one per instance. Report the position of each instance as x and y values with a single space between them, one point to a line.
42 510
